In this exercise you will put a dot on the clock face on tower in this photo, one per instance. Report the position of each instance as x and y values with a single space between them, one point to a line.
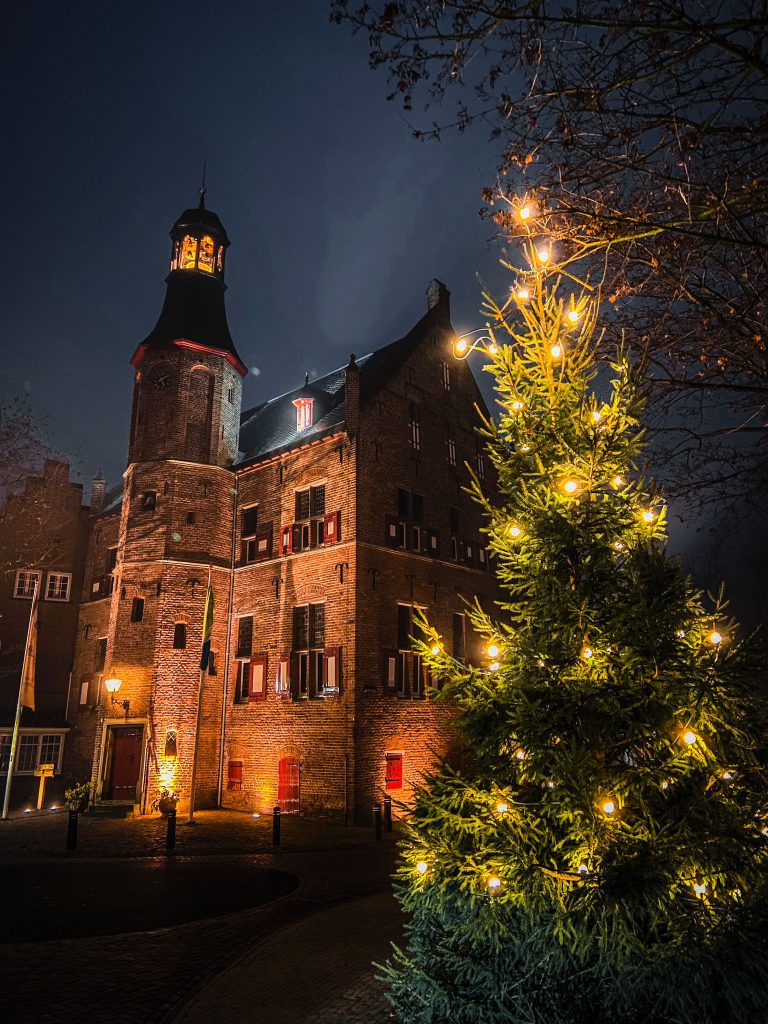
161 380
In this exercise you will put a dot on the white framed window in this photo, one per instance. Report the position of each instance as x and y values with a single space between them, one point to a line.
27 580
34 748
303 413
58 586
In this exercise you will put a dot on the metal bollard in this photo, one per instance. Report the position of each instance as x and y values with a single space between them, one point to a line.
388 813
170 835
72 831
276 826
377 821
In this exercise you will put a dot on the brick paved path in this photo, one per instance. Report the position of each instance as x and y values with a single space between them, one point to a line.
147 977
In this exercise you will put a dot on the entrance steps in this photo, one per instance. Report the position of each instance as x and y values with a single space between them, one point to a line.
112 809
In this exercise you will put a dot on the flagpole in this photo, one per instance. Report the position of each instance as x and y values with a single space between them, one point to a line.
17 719
191 817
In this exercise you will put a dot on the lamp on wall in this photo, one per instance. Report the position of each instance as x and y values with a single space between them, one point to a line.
112 686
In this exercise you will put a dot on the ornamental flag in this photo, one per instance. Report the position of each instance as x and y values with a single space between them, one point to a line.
27 696
207 629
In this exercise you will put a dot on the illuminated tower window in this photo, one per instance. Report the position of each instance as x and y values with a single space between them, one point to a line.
205 257
188 253
303 413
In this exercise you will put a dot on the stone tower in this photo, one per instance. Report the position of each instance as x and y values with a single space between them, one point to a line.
176 526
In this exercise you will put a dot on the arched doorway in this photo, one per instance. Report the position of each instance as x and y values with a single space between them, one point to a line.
288 785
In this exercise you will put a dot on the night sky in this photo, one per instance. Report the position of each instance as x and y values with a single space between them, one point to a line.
338 218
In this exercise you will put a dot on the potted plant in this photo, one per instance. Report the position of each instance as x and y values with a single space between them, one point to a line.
165 801
78 796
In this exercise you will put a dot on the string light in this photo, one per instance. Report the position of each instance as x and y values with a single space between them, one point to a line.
461 345
556 351
573 316
436 649
618 481
690 738
422 867
596 415
524 212
525 447
502 808
727 776
493 348
665 784
550 784
540 663
583 869
680 634
699 888
609 807
520 754
494 666
570 487
494 883
587 652
715 638
493 651
618 545
543 254
517 405
648 515
523 294
515 531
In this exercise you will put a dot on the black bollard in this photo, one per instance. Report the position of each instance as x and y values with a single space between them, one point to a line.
377 821
72 831
388 813
276 826
170 835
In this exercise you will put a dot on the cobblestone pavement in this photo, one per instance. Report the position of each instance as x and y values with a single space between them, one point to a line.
153 976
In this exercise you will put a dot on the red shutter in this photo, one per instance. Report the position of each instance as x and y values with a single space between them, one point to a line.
394 776
258 687
390 531
286 540
332 668
333 528
234 775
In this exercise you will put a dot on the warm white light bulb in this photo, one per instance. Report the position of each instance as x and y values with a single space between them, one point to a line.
520 754
649 515
494 666
583 869
422 867
515 531
517 405
587 653
256 815
493 348
461 345
525 212
525 447
690 738
523 294
570 486
609 807
699 888
494 883
556 351
502 808
596 416
436 649
573 316
618 545
715 638
665 785
493 651
543 254
727 776
618 481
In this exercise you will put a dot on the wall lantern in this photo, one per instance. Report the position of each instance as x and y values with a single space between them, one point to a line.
112 686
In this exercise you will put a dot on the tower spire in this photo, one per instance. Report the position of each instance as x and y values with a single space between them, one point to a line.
203 189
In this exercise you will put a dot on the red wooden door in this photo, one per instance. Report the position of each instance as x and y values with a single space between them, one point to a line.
126 763
288 786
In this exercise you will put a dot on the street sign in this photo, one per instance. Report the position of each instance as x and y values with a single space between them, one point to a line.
45 770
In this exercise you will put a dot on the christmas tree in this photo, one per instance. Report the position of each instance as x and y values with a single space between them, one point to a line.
601 858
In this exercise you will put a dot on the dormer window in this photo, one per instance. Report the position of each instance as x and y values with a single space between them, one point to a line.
303 413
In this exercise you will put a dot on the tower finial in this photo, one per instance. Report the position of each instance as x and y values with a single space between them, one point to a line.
203 189
306 379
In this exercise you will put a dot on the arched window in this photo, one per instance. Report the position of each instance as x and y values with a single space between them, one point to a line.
188 253
205 256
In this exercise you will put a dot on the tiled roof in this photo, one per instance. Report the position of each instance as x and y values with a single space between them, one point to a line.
270 428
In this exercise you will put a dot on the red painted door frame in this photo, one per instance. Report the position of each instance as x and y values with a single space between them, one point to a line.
289 785
125 762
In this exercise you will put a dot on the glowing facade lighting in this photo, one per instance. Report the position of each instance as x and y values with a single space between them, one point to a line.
112 685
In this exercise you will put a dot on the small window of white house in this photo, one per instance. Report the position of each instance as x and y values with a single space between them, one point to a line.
57 586
27 580
303 413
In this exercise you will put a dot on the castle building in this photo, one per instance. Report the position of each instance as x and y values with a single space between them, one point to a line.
325 519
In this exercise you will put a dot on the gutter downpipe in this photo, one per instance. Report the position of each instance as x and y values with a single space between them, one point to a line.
227 647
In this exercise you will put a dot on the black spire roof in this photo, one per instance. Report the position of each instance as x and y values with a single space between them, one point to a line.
194 309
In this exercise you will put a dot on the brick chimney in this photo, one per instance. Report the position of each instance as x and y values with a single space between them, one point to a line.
98 490
352 396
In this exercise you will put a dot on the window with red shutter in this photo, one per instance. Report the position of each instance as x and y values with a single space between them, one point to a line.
286 540
332 532
332 669
258 688
394 771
